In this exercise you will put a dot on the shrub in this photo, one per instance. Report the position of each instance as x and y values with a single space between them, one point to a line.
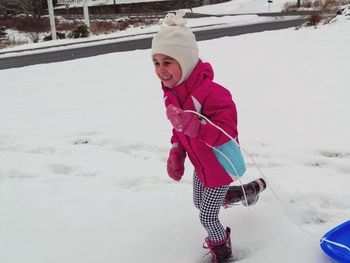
3 33
314 20
34 36
60 35
81 30
122 25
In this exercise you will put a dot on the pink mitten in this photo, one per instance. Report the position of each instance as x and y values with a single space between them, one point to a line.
176 163
186 122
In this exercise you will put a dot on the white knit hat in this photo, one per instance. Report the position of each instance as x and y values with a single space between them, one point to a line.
177 41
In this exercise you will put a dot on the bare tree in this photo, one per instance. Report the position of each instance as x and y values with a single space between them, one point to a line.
32 23
115 6
298 3
33 8
189 5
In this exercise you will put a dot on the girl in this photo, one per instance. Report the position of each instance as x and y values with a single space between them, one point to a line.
187 83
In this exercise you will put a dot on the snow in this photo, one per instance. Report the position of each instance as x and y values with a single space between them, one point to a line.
242 7
83 146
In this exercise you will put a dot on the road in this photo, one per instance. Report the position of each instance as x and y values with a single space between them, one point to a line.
144 43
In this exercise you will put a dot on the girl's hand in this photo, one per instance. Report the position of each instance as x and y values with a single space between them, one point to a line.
185 122
176 163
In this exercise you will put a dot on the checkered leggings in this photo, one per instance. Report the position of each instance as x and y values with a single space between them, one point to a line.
209 201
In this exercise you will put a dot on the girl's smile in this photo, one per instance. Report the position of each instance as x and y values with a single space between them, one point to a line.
167 69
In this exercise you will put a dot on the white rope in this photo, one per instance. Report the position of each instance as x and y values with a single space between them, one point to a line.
323 239
335 243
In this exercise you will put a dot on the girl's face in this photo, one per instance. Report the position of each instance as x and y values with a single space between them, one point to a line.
167 69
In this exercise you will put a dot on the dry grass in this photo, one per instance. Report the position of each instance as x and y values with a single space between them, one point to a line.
98 27
317 5
331 5
66 25
25 24
11 43
327 10
306 4
3 44
102 27
314 20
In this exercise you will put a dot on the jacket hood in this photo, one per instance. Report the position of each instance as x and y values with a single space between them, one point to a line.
202 72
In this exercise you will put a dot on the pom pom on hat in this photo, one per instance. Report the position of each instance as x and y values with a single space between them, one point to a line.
177 41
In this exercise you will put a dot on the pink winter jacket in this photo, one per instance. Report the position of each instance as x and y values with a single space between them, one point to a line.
199 93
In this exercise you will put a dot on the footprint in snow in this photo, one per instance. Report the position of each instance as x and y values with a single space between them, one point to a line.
139 151
237 255
14 174
318 209
334 154
143 151
61 169
80 141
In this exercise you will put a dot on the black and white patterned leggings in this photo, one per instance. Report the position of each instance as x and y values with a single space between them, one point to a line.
209 201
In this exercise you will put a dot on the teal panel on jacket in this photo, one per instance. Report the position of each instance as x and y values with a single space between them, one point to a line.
232 152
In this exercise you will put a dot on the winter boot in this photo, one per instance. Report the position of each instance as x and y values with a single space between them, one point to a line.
221 251
252 190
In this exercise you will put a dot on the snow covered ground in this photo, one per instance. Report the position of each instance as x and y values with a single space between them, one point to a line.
83 146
